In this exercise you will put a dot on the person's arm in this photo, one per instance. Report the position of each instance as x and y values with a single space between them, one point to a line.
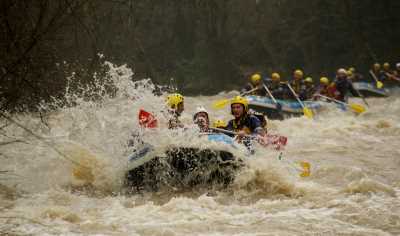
246 88
255 124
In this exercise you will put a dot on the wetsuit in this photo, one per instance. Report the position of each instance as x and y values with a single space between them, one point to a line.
343 86
307 92
276 88
323 90
248 123
299 88
380 75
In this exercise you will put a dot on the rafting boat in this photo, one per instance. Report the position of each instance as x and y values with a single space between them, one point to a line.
370 90
288 109
184 166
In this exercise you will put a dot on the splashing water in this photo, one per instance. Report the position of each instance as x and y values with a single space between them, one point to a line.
66 177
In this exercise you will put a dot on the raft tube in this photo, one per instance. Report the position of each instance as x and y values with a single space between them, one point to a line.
370 89
288 109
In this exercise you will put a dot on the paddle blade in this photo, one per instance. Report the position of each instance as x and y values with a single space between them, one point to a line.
147 120
220 104
379 84
357 108
306 172
308 113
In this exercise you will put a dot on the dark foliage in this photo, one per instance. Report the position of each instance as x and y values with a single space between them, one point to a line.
206 45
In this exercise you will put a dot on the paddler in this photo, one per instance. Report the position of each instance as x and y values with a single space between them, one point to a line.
377 71
396 72
276 87
391 74
308 90
322 88
255 85
176 106
243 122
387 72
343 86
201 119
297 83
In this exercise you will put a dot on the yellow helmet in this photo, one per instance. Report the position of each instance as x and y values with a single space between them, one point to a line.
173 100
275 76
377 66
219 123
308 80
352 69
386 66
324 80
241 100
349 73
298 74
255 78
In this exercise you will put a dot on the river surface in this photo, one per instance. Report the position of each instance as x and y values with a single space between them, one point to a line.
62 172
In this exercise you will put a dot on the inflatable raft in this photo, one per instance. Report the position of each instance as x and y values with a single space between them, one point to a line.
370 89
287 108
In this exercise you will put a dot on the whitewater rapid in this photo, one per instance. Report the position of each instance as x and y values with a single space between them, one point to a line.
62 172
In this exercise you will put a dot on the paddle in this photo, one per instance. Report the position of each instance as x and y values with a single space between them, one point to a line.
307 112
305 166
355 107
360 95
306 169
379 84
277 141
278 106
222 103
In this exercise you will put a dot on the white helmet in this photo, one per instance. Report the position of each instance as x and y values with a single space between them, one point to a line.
342 71
200 109
398 65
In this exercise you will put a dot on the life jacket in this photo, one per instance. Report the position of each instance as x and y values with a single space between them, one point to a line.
323 90
331 91
247 123
297 85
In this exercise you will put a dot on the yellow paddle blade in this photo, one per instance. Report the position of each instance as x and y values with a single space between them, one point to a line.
308 113
357 108
220 104
379 84
306 169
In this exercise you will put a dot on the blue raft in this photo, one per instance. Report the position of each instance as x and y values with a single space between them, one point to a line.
288 109
370 90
